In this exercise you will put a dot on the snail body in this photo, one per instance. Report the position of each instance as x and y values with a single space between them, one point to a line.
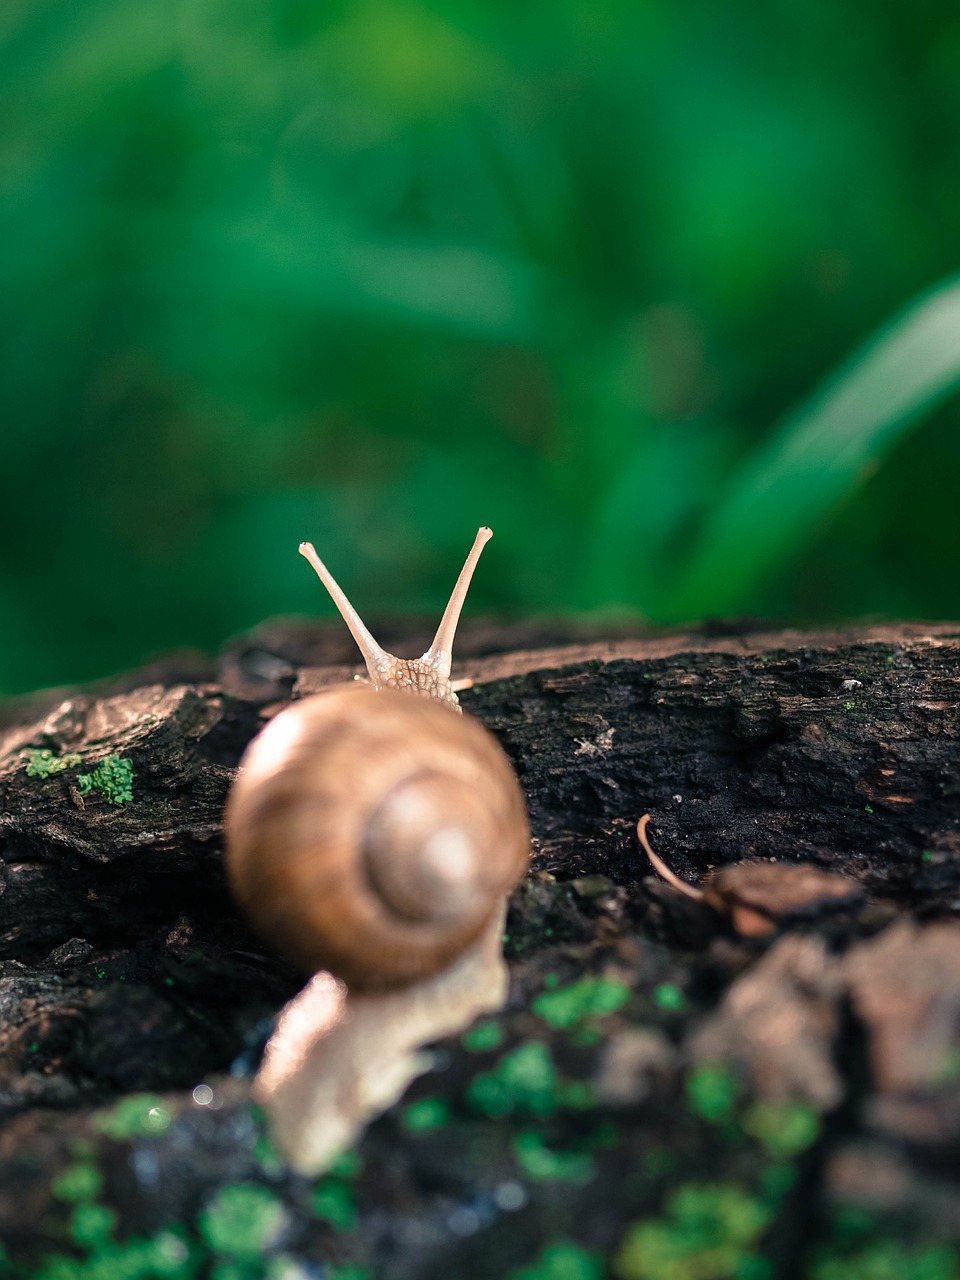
373 831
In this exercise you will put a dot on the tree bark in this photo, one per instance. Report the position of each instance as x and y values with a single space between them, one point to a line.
128 978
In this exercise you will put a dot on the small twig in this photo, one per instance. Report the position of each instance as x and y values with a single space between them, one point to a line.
661 867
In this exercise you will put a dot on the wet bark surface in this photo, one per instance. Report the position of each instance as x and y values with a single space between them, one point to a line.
673 1091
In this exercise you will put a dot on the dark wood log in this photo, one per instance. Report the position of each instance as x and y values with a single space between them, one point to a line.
128 979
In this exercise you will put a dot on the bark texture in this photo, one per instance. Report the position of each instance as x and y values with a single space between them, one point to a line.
653 1063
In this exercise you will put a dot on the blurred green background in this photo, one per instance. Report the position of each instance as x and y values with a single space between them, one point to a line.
375 272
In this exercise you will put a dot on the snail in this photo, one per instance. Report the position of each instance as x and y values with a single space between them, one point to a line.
374 830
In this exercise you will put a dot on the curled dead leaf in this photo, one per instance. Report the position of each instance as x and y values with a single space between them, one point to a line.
757 897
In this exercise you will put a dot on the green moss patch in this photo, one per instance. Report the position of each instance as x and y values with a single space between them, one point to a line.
165 1256
566 1007
334 1202
708 1230
78 1182
242 1220
525 1082
347 1165
139 1115
425 1115
561 1260
670 997
543 1164
784 1128
42 763
113 778
92 1225
712 1092
889 1260
483 1036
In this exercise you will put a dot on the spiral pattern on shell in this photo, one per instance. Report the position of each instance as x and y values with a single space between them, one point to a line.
374 834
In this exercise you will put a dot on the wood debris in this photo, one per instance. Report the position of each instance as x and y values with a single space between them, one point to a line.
758 897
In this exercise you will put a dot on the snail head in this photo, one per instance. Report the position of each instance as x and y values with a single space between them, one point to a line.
428 675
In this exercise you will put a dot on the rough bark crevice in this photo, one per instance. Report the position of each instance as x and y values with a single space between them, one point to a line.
127 978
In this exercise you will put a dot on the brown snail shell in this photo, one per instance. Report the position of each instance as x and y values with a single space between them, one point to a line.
374 831
374 834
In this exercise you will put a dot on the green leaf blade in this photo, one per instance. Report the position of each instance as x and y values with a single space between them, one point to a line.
820 454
